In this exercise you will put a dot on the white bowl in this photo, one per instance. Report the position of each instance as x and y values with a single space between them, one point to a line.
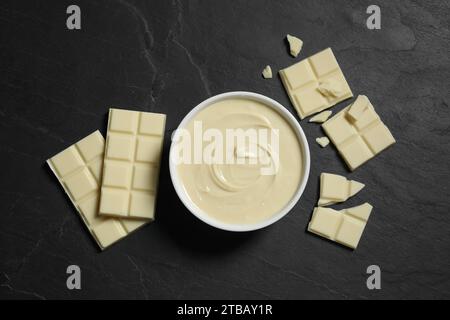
195 210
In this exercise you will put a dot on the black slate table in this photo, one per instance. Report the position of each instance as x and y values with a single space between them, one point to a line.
56 86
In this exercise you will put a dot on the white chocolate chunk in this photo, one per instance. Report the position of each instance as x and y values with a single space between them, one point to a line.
324 222
295 45
330 88
323 141
335 188
345 227
132 160
361 212
355 187
267 72
315 84
357 108
78 169
321 117
358 133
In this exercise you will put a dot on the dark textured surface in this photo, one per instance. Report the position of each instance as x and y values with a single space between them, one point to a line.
57 85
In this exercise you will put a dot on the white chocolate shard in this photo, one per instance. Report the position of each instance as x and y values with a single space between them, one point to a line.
335 188
323 141
295 45
355 187
321 117
267 72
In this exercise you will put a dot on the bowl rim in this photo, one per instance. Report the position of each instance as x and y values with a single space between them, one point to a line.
203 216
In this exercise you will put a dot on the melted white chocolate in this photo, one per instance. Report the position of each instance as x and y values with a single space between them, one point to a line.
241 192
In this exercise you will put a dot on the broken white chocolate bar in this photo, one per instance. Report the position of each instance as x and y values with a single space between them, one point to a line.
78 169
131 164
323 141
267 72
358 133
315 83
321 117
345 227
335 188
295 45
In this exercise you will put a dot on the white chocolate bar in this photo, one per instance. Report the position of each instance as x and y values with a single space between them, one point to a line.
315 83
335 188
78 169
131 165
295 45
323 141
345 227
267 72
358 133
321 117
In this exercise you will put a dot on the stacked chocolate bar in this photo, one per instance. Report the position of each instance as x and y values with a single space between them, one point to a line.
113 185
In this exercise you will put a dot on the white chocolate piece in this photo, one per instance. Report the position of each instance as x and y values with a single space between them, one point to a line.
358 133
295 45
321 117
345 227
335 188
357 108
78 169
330 88
315 84
355 187
267 72
361 212
323 141
131 165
